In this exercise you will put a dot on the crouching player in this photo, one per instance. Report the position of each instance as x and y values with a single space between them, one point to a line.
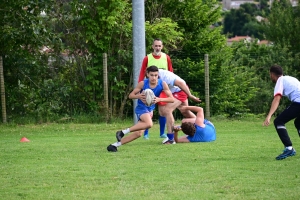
195 129
144 113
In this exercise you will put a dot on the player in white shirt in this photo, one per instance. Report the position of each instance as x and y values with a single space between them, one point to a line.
181 93
290 87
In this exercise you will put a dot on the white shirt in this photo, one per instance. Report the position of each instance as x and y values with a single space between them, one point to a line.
288 86
169 78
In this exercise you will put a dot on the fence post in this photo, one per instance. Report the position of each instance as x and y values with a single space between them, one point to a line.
105 84
207 106
3 102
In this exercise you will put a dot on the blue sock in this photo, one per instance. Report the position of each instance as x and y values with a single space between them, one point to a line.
170 136
162 124
146 132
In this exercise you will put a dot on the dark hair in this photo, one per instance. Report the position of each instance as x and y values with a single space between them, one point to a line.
152 68
277 70
157 39
188 128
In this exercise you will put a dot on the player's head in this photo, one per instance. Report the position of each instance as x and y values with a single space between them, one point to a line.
275 72
157 46
188 128
152 73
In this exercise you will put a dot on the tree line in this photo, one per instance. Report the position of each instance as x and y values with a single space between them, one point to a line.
52 55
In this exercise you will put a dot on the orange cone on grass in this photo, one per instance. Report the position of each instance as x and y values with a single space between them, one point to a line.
24 139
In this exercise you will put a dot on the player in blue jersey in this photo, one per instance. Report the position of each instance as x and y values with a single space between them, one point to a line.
290 87
144 113
195 129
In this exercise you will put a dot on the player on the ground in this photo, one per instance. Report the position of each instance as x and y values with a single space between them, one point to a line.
196 129
144 113
290 87
162 61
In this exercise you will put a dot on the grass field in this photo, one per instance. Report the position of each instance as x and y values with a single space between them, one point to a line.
70 161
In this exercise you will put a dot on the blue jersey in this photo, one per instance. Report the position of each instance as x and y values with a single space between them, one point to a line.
206 134
141 108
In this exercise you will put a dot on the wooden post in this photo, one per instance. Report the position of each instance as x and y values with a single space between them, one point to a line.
207 106
105 84
3 102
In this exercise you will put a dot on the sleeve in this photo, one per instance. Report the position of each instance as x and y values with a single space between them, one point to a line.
170 68
278 90
143 69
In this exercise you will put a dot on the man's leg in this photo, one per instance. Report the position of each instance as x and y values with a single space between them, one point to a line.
162 121
186 113
288 114
168 113
145 121
297 125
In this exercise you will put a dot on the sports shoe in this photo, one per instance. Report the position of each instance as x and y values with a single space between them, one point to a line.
163 136
146 137
119 135
167 141
286 153
112 148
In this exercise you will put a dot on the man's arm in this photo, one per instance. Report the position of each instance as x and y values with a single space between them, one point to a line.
180 83
136 92
169 99
170 68
199 116
143 69
182 139
274 106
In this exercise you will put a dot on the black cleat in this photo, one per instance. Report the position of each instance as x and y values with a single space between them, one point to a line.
286 153
119 135
112 148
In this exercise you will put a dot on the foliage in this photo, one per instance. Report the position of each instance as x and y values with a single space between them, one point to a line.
283 25
241 22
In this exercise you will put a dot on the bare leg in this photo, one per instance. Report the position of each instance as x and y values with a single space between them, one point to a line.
168 113
145 122
186 113
132 136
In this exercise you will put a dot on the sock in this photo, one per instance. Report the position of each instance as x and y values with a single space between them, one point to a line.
289 147
146 132
162 124
117 144
170 136
125 131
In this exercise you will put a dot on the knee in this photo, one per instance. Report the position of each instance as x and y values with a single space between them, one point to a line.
139 133
150 124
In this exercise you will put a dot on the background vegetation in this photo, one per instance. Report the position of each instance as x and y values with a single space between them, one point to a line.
52 54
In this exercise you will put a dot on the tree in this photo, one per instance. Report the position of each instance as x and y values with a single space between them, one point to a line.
21 32
283 25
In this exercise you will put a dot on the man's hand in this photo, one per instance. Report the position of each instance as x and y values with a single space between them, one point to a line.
196 99
177 128
142 97
267 121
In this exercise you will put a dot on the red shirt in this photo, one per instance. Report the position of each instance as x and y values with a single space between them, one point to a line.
145 63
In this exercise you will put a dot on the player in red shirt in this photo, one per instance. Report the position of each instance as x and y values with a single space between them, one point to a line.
162 61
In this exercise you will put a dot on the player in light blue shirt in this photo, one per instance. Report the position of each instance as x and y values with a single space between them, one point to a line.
290 87
195 129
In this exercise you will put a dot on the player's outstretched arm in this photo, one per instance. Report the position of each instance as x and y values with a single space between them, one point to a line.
184 87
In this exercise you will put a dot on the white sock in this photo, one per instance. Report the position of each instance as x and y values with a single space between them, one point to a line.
117 144
125 131
289 147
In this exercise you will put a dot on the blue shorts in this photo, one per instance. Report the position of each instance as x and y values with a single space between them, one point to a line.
140 110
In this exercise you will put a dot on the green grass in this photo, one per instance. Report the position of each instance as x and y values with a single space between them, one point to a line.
70 161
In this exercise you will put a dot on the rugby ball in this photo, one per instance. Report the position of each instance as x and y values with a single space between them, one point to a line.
149 96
